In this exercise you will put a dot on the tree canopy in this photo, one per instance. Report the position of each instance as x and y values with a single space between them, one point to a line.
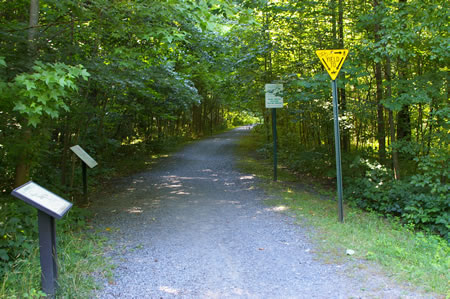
111 74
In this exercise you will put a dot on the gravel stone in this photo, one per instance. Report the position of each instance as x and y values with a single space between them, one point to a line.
195 227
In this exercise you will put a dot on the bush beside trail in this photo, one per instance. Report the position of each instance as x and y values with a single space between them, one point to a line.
419 200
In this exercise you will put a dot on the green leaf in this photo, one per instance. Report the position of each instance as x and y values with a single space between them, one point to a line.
4 255
34 121
85 74
29 84
19 107
62 81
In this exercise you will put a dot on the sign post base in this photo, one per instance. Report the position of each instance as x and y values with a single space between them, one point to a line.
48 257
274 129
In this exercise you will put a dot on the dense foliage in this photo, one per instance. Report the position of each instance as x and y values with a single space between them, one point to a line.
116 76
393 94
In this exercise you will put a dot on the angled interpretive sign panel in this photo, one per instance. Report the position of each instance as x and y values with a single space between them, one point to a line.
42 199
84 156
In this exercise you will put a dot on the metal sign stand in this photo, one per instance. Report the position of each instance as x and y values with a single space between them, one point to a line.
48 255
84 171
274 101
337 143
274 133
86 160
333 60
50 206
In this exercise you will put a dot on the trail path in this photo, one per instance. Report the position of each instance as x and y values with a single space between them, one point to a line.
195 227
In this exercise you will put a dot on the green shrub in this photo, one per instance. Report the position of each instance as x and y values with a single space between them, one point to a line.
19 231
420 200
315 161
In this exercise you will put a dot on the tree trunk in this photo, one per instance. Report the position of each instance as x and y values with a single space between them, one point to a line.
381 134
22 172
342 95
403 116
65 153
395 163
32 28
334 23
268 73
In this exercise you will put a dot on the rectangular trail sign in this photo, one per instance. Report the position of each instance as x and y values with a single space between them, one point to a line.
42 199
273 95
84 156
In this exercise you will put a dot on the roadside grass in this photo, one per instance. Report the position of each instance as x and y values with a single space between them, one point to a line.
81 265
79 256
419 259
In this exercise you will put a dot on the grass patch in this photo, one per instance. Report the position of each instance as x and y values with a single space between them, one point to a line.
79 255
415 257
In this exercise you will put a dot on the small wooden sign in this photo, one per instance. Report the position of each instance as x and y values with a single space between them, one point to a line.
42 199
84 156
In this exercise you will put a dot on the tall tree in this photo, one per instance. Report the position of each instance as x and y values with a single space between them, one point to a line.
22 171
381 133
403 116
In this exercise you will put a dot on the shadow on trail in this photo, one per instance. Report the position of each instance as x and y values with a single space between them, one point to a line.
195 227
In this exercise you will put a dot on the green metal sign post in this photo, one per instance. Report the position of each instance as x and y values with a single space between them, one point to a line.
333 60
274 101
274 133
337 143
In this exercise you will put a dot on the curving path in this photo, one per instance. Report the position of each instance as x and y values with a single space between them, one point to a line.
195 227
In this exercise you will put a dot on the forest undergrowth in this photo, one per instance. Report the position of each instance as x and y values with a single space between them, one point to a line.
409 255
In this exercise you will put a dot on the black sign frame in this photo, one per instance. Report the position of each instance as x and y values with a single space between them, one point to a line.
40 198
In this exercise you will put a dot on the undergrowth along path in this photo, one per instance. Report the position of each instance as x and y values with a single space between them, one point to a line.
195 227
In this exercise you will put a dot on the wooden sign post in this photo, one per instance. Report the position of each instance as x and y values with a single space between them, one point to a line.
50 206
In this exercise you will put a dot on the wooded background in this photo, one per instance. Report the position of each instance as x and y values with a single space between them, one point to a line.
129 77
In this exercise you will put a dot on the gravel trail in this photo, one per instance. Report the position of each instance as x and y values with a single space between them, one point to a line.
195 227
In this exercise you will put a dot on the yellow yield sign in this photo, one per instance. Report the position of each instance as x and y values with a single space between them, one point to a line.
332 60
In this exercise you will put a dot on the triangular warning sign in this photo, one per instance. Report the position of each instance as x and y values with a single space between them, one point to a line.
332 60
